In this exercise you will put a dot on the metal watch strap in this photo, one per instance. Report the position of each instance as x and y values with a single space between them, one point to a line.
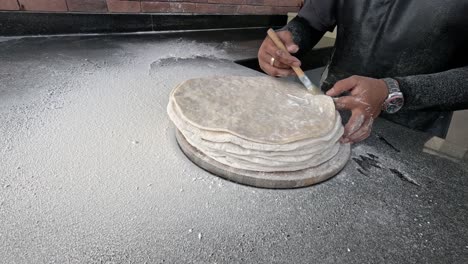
392 85
395 99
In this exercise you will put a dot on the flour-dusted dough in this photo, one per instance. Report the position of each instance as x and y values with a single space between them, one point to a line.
305 154
223 138
255 136
260 109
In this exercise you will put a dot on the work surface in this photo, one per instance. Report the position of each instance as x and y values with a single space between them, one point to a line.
91 173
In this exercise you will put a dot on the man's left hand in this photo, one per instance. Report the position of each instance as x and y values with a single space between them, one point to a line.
365 99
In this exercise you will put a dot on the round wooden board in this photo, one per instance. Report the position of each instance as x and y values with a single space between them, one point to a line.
274 180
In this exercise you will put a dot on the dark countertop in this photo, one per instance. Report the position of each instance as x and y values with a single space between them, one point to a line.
90 170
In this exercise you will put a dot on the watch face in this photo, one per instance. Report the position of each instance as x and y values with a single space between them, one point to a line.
394 104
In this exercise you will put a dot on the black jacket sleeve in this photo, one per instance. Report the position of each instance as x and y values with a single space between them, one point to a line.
320 14
442 91
311 23
303 34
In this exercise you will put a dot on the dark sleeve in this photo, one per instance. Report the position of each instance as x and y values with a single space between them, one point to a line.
442 91
320 14
311 23
303 35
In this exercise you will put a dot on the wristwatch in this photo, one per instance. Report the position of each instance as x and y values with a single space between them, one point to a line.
395 99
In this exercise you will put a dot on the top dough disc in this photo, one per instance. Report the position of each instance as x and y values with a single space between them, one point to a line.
260 109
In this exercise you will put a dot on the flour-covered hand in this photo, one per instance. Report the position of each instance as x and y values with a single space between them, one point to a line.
365 99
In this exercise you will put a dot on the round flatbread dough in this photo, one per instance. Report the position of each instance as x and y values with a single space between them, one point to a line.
260 109
258 124
224 138
242 154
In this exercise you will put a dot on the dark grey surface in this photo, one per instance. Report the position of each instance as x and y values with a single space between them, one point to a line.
90 170
23 23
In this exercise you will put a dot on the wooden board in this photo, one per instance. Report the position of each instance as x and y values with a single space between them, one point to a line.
274 180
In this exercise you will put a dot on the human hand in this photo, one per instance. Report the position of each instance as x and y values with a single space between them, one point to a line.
365 100
276 62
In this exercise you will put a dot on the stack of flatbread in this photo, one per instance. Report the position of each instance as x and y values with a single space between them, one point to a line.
256 123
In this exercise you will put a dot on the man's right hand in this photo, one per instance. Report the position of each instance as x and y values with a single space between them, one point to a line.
280 65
